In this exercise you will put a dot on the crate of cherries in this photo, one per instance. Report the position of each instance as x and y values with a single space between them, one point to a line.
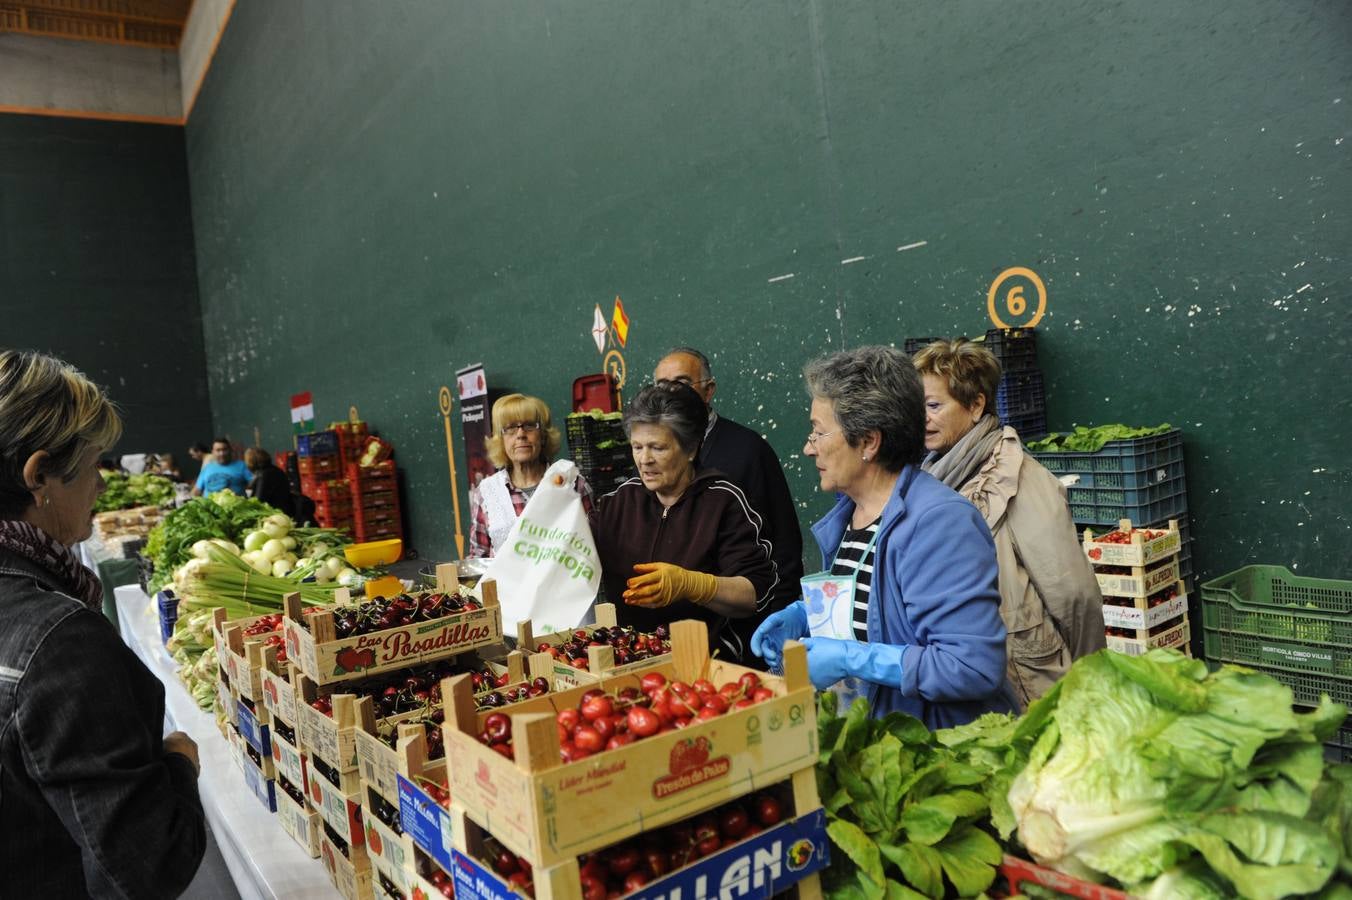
1128 546
385 633
585 655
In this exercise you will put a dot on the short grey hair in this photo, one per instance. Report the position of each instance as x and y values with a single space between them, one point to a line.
672 405
706 372
874 389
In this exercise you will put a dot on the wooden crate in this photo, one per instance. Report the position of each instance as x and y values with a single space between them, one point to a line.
1137 613
391 853
1175 637
260 783
279 695
377 762
326 659
290 762
1142 582
1139 552
225 699
254 726
240 658
351 876
330 739
340 809
780 860
425 821
600 660
300 822
547 811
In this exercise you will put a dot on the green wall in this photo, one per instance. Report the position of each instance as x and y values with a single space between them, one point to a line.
380 199
97 267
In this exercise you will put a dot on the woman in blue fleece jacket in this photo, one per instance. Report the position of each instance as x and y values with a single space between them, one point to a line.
927 635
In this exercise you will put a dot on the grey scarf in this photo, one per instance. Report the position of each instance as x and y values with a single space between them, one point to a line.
956 467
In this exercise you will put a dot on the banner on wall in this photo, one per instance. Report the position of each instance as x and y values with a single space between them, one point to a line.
475 425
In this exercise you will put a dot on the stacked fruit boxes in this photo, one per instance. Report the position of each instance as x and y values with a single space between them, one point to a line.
594 654
332 674
1144 602
240 694
375 501
519 817
295 813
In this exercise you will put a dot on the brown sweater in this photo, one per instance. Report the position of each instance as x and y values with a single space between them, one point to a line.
712 528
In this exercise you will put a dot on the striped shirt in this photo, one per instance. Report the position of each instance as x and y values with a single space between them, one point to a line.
852 560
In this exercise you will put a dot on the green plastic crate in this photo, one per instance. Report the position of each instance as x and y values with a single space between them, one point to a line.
1299 630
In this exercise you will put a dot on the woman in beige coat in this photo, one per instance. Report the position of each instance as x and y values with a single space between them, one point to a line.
1049 598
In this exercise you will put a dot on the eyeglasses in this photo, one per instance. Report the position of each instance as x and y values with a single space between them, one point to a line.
814 436
527 427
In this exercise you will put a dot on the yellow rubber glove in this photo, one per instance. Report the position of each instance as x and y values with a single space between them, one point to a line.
659 584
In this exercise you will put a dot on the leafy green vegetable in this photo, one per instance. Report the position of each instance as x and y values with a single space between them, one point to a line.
1091 440
1151 768
220 515
130 491
904 812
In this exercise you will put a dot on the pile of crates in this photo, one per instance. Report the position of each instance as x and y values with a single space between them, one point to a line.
364 499
1021 400
1140 479
1144 603
1296 629
600 449
301 761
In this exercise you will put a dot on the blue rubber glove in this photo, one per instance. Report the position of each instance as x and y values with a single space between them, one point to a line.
831 659
789 624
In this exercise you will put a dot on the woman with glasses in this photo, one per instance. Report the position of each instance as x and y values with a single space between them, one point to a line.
678 542
523 444
914 615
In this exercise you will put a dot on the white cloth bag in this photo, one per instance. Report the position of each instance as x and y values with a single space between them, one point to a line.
547 570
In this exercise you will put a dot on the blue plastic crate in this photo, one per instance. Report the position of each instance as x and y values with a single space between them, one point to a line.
320 443
1028 427
1014 348
1161 502
1021 394
1129 457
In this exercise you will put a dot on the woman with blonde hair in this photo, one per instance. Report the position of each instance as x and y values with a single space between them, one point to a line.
1049 598
95 801
523 444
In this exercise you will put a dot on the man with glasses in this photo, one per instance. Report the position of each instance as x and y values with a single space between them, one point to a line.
752 464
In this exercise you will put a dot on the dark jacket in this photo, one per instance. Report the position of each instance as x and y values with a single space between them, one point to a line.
270 486
933 592
712 529
750 462
90 804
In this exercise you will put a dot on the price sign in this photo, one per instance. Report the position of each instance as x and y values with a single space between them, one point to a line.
1013 293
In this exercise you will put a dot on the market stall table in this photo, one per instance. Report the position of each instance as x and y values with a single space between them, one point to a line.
262 860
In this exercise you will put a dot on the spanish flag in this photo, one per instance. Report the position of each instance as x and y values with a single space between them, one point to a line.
620 322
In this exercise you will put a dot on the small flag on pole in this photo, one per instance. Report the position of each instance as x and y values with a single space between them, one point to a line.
620 322
302 412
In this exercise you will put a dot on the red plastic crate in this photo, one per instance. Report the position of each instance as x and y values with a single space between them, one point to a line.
319 465
378 532
370 479
377 499
374 518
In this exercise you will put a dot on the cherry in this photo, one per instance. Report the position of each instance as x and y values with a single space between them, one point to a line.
733 822
642 722
498 727
768 811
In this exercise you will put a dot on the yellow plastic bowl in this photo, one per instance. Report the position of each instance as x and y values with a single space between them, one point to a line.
374 553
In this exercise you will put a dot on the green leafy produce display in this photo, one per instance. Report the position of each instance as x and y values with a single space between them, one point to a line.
1091 440
907 817
131 491
1176 782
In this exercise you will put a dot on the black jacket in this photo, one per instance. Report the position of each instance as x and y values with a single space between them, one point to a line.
90 804
750 463
712 529
270 486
